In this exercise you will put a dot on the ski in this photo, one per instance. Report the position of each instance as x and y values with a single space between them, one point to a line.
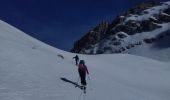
84 89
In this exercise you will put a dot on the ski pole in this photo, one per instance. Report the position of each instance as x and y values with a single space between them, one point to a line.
90 83
89 77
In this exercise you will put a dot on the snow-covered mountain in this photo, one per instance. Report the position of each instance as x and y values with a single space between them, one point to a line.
32 70
143 30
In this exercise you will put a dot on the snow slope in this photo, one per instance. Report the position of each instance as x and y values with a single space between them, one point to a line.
150 12
31 70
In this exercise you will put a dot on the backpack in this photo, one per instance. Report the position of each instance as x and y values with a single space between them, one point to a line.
82 65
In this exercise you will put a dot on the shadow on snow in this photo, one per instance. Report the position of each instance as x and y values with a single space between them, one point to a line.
71 82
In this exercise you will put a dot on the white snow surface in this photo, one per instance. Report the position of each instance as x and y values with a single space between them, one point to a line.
146 50
150 12
31 70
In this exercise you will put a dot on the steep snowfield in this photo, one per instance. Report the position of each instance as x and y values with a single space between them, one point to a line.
31 70
156 50
150 12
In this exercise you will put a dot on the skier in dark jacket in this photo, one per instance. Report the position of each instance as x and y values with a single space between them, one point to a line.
82 69
76 59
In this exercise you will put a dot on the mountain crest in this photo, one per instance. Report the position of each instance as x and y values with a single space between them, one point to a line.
92 37
139 27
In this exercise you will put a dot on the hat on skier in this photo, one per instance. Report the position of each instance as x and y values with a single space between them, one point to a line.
82 62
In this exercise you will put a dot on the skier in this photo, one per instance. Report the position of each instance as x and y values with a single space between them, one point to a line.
76 59
82 69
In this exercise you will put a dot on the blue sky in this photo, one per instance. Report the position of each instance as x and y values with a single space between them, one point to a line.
61 22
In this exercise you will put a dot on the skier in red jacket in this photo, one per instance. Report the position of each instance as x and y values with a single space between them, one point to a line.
82 69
